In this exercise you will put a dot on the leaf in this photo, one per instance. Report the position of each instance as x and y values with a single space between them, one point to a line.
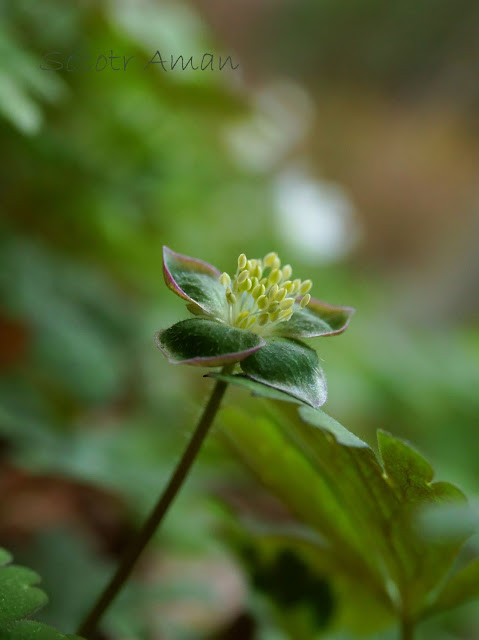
256 388
365 514
317 319
289 366
408 471
206 343
410 476
318 418
30 630
195 281
20 598
459 588
271 452
352 465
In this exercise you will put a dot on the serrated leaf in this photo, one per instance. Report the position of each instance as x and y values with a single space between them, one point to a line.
272 452
409 473
366 514
19 596
288 366
206 343
195 281
411 478
317 319
19 599
352 465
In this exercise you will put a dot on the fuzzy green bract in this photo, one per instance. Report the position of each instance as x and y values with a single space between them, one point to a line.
361 512
255 321
20 598
289 366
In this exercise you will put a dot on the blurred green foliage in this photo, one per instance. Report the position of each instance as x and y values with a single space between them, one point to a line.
98 171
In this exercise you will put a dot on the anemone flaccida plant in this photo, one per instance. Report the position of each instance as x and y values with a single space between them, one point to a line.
252 325
359 513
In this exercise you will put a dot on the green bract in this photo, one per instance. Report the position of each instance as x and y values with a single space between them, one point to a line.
254 319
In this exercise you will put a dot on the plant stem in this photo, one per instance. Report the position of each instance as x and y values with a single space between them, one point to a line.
133 551
407 629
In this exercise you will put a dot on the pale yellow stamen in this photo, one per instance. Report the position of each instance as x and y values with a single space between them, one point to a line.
305 287
242 316
257 291
261 295
244 275
262 302
305 301
272 292
225 280
287 304
275 276
263 319
274 316
269 259
246 285
288 285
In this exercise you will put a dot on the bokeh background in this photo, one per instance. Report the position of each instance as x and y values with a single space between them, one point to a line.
346 140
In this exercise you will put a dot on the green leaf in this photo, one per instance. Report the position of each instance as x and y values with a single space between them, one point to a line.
19 599
30 630
322 496
195 281
459 588
411 478
19 596
317 319
205 343
256 388
409 473
289 366
323 421
353 466
365 514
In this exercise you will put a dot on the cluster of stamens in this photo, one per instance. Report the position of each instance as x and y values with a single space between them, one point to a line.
261 294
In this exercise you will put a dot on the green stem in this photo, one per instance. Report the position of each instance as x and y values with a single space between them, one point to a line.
133 551
407 629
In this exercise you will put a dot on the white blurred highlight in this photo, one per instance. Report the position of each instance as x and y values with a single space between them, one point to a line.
282 115
316 218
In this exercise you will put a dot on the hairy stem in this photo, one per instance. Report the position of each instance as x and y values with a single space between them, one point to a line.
137 545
